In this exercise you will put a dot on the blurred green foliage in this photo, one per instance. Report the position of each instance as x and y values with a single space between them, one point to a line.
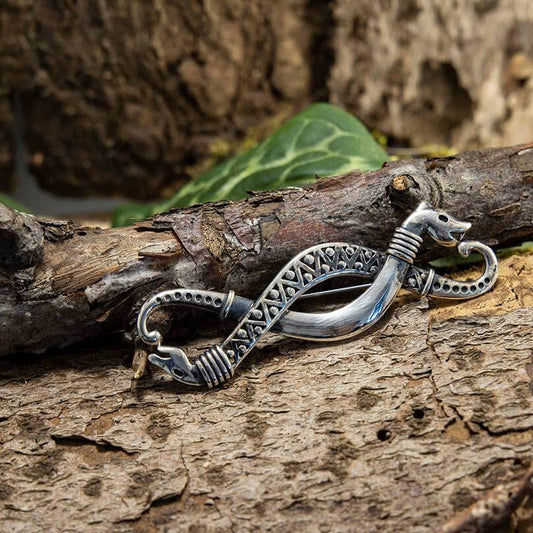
7 200
323 140
445 263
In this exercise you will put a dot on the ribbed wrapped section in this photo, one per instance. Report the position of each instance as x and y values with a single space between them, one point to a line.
215 366
404 245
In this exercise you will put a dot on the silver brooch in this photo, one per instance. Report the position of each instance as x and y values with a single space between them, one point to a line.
387 273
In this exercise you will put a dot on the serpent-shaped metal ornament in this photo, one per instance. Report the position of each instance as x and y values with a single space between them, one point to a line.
389 271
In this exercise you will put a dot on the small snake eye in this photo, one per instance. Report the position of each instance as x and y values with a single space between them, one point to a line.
443 218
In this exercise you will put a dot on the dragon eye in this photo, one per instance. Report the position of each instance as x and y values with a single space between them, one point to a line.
443 218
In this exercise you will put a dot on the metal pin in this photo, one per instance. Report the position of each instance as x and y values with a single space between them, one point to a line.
335 291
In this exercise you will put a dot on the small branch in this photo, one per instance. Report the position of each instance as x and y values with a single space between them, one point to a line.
493 509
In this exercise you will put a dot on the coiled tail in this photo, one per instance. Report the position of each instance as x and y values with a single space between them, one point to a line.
442 287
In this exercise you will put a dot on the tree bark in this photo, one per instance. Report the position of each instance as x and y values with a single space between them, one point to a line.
62 283
397 430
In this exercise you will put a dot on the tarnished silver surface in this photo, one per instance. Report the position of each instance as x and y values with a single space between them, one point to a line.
387 273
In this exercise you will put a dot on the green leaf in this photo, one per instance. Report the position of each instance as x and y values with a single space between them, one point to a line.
323 140
128 214
13 204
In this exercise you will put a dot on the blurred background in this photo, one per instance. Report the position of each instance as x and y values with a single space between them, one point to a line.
103 101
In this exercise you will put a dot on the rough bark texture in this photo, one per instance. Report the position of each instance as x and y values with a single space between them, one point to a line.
114 93
397 430
62 283
459 73
124 98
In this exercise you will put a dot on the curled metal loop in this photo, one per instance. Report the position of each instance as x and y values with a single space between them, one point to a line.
442 287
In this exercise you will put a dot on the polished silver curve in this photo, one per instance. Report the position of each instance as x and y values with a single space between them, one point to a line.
352 318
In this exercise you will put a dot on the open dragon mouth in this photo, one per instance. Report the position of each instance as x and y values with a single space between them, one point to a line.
458 236
449 236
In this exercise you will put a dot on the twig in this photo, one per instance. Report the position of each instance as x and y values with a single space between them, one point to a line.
493 509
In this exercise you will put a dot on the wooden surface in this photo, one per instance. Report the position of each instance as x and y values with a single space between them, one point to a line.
397 430
60 283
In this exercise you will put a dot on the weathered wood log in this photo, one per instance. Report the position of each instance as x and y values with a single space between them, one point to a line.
397 430
62 283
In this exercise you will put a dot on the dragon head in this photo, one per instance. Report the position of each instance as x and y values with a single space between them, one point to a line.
442 227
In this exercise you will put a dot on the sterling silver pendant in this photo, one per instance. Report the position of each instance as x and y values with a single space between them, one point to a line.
388 273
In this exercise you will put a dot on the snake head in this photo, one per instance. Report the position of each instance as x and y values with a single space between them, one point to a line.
176 363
